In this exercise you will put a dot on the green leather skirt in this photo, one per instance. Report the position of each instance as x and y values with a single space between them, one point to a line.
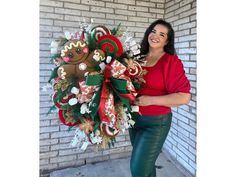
147 138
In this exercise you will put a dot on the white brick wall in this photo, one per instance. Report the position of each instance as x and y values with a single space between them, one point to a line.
62 15
181 141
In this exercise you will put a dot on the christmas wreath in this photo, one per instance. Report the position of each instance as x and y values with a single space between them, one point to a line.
96 74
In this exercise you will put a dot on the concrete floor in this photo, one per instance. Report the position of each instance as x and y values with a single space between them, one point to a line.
117 168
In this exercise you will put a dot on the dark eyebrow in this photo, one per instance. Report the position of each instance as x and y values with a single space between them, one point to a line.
163 33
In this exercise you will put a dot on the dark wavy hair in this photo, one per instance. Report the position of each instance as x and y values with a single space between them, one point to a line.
169 47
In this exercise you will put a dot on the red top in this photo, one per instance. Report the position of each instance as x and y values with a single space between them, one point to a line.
165 77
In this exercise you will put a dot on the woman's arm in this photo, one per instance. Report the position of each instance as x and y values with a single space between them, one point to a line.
170 100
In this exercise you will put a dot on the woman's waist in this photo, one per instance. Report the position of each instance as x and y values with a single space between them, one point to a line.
154 110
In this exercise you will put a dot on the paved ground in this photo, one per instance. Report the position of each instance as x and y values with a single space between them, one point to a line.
117 168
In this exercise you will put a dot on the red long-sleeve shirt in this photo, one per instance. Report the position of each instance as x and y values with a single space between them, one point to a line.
165 77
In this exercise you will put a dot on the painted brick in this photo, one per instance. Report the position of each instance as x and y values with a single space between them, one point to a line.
184 2
103 21
180 140
159 16
183 9
180 117
51 16
49 166
50 29
187 127
184 107
119 17
187 38
187 13
183 57
192 163
186 152
182 45
49 129
44 161
46 9
173 19
180 154
67 11
92 14
48 142
193 44
182 33
124 12
193 137
172 141
183 131
181 21
170 14
74 1
147 4
132 2
117 6
45 34
66 23
68 152
44 149
186 114
172 8
193 90
44 123
168 144
101 9
156 10
138 9
192 150
51 3
189 64
138 19
93 2
144 14
158 1
138 29
62 134
46 155
185 164
76 6
62 159
124 23
139 24
60 146
188 51
169 4
187 25
161 6
193 18
193 58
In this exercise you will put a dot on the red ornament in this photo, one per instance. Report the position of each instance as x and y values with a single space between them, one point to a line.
111 44
65 121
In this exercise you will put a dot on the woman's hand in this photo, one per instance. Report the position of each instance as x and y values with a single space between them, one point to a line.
170 100
143 100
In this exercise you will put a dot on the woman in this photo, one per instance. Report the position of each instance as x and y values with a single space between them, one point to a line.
166 86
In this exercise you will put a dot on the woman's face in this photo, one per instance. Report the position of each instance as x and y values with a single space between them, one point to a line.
158 37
